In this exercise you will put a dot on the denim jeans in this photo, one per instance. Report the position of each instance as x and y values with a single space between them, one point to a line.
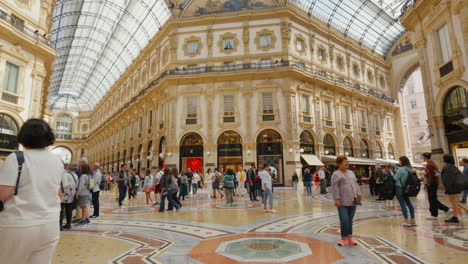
465 194
346 214
268 195
308 185
163 201
404 202
195 188
122 193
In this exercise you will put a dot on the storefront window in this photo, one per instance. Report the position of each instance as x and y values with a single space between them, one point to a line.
191 152
348 147
329 145
8 132
229 151
270 151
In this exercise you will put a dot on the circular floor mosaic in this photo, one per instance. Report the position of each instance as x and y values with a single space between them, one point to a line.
263 250
236 206
131 210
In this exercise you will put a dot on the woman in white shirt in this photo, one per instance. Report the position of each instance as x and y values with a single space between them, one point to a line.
29 228
209 183
148 187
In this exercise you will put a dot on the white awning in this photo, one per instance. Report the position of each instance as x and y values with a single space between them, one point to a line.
312 160
358 161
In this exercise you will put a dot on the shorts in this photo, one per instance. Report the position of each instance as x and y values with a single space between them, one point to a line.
158 189
215 185
83 200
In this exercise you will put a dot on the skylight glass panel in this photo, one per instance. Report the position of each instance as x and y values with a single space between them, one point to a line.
371 22
96 41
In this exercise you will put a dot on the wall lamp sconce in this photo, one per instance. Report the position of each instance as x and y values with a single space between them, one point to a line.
208 153
170 154
299 151
248 152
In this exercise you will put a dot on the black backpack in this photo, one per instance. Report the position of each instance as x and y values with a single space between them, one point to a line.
413 184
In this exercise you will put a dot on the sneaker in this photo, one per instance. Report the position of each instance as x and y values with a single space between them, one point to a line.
67 227
266 211
178 209
80 223
430 217
94 216
453 219
87 222
273 211
122 207
405 224
352 241
342 242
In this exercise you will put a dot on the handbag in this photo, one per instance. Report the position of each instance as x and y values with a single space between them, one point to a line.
357 201
20 158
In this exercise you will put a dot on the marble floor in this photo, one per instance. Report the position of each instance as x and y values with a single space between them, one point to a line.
305 230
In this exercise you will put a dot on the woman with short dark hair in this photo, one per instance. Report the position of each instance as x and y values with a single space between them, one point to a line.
452 179
401 178
29 227
347 196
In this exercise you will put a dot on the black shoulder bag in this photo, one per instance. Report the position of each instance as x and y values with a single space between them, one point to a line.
20 158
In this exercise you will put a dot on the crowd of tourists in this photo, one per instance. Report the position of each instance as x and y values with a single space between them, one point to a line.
37 190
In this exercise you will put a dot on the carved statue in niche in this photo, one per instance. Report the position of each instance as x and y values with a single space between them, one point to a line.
46 13
312 43
177 7
286 31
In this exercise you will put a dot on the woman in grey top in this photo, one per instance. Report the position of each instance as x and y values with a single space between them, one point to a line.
347 195
82 193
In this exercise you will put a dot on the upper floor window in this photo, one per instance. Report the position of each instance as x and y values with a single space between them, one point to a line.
161 116
267 102
10 81
228 105
64 126
346 114
363 120
305 105
192 47
191 107
327 110
382 82
321 54
340 63
265 41
356 70
300 44
377 123
370 76
228 43
413 104
445 49
140 125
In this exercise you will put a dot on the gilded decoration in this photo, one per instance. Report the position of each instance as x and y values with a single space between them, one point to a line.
265 32
221 44
209 7
185 47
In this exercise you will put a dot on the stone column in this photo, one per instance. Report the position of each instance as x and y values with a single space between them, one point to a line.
292 160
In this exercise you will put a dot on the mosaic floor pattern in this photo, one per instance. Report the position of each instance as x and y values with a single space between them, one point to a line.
305 230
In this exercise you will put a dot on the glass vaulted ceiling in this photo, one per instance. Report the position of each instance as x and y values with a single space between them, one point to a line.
95 41
374 23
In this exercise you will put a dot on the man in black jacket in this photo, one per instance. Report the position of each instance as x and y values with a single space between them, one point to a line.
251 176
189 175
122 179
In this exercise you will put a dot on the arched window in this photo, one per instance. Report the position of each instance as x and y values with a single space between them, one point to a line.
192 139
456 110
229 137
329 145
64 126
364 149
348 147
307 142
378 151
269 136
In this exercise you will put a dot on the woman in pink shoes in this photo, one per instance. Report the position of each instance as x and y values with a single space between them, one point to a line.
347 196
